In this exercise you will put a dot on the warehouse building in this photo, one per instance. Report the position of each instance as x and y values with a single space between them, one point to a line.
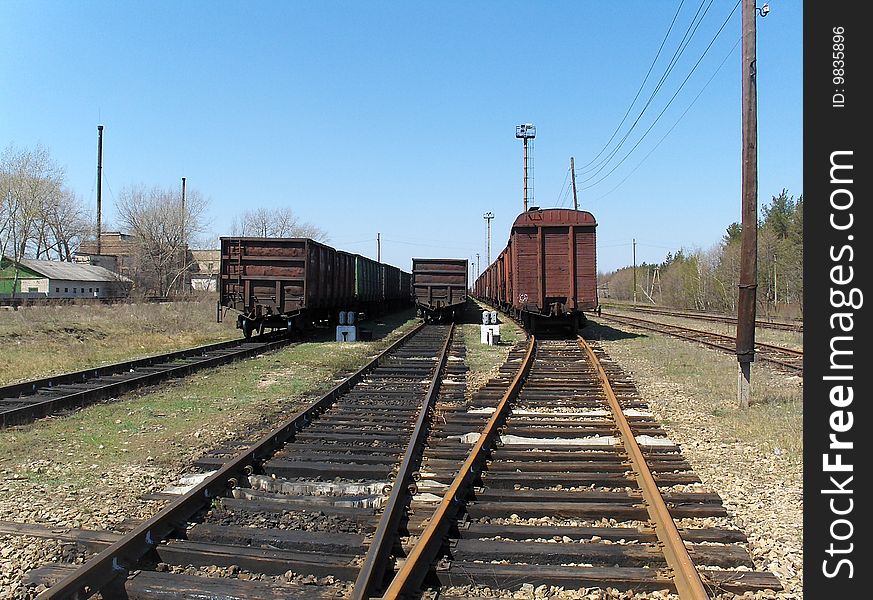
55 279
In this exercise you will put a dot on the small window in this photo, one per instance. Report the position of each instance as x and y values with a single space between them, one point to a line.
83 290
57 290
66 291
90 290
97 290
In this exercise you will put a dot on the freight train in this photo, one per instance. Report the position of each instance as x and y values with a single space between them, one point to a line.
547 274
278 283
439 287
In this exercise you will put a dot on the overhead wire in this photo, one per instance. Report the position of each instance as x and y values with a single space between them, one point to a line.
639 90
690 31
679 120
670 102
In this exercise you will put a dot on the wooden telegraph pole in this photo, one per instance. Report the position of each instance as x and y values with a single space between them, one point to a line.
573 177
749 241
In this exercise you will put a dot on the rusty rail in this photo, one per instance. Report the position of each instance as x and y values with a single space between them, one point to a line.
687 580
107 569
419 559
373 569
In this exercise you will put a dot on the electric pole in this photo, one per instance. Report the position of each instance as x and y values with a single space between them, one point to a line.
488 216
573 177
749 241
99 184
635 270
184 245
477 265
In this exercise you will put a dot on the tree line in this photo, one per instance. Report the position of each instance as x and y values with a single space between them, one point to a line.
42 218
708 279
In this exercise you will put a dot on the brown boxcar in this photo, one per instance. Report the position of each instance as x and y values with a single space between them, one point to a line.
286 282
439 286
548 271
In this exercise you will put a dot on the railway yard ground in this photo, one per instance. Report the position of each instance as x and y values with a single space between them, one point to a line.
38 341
92 468
89 469
752 458
786 339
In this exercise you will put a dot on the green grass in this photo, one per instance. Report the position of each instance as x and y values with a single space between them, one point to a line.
773 422
48 340
165 426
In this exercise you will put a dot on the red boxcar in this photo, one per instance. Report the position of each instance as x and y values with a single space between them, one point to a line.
548 270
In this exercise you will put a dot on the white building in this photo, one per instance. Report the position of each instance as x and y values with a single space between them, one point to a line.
56 279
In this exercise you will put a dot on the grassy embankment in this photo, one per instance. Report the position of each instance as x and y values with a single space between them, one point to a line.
668 368
167 426
49 340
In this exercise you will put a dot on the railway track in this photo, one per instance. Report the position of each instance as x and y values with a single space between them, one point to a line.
714 318
320 497
569 483
24 402
785 359
397 482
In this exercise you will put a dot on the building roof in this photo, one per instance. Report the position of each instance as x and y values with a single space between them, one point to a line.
54 269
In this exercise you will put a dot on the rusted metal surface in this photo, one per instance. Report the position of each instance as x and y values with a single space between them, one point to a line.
761 323
439 284
685 576
375 564
418 561
274 281
785 359
549 267
107 568
24 402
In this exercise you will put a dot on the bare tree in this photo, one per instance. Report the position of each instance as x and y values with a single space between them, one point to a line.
39 217
154 216
275 222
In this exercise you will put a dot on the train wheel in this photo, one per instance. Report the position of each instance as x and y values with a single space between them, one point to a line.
246 327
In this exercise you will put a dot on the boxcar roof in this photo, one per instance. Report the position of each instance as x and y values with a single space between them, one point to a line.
554 217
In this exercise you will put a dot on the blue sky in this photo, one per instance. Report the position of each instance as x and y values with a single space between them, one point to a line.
399 117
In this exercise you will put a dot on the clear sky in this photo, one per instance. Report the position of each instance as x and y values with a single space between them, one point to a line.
399 117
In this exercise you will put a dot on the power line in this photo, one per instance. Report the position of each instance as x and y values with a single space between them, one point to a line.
679 120
670 102
677 54
639 90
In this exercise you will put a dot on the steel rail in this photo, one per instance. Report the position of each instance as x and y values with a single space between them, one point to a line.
106 569
407 581
29 411
685 575
373 570
728 341
796 326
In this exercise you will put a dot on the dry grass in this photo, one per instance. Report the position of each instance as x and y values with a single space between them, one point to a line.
166 426
48 340
773 422
483 360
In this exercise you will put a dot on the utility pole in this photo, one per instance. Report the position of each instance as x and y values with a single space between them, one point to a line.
573 177
488 216
749 241
477 265
635 270
184 245
99 184
378 247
